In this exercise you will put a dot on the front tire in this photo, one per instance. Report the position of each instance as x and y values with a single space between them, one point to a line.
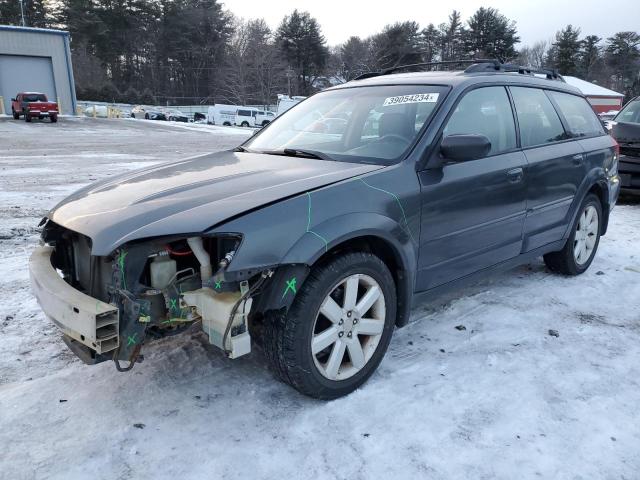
244 124
337 329
580 249
16 115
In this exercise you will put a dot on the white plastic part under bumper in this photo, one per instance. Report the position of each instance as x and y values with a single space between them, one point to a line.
86 319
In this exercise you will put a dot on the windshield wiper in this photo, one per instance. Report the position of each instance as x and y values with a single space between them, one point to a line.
293 152
300 152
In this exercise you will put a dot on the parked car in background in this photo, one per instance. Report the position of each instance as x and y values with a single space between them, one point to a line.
245 117
253 117
176 116
221 114
33 105
625 128
314 245
264 118
608 115
148 113
199 117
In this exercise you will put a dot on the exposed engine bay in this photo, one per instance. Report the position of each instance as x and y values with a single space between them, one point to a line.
155 288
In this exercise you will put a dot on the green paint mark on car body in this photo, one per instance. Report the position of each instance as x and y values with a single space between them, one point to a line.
404 216
120 261
131 339
291 285
326 244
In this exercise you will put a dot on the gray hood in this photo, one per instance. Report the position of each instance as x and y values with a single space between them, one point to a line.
191 196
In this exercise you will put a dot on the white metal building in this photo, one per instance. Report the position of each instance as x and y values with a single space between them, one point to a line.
601 99
36 60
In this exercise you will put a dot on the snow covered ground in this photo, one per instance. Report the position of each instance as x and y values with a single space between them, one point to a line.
501 398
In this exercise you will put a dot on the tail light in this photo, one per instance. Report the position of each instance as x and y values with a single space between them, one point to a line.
613 169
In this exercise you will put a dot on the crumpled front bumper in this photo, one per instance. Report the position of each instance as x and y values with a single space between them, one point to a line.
85 319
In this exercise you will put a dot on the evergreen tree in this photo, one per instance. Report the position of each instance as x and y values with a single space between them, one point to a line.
451 38
355 58
564 54
430 43
36 13
623 55
397 44
304 47
490 35
590 56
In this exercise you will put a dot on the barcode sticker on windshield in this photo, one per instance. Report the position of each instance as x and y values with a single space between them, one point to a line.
416 98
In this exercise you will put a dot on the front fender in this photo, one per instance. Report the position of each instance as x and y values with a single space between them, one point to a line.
299 230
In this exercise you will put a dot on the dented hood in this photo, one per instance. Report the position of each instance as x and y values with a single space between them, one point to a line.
191 196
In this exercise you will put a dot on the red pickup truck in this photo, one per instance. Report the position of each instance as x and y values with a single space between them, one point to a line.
33 105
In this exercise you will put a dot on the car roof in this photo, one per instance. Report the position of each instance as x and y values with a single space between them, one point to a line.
31 93
461 79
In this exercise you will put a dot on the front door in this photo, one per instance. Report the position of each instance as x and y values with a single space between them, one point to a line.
473 211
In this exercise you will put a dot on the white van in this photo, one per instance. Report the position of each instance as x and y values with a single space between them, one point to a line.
253 117
220 114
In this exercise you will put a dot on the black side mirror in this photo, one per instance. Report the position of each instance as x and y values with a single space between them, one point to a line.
460 148
13 100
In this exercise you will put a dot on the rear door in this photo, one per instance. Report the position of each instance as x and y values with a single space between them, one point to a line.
473 211
556 167
583 124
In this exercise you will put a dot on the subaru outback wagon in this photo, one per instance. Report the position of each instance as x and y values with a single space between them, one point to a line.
312 243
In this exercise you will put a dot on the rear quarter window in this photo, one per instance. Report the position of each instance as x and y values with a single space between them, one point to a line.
580 117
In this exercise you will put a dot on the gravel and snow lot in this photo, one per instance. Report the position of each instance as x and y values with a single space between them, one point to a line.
499 398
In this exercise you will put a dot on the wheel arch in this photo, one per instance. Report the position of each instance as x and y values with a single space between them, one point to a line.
594 182
370 232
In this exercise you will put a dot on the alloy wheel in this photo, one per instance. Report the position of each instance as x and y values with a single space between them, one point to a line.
586 235
348 327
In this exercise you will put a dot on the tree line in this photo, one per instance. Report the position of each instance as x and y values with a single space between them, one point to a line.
196 51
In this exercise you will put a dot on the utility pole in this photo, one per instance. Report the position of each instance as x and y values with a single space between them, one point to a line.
22 12
289 74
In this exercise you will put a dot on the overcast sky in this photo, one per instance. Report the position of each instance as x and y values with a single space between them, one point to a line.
536 20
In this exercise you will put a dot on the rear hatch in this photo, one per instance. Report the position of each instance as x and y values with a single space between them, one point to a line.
43 107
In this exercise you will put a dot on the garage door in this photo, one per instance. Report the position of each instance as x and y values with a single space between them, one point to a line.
20 73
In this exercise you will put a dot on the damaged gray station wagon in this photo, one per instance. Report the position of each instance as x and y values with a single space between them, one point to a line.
313 238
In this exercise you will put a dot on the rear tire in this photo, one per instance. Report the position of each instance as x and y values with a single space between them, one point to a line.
582 245
54 118
27 118
244 124
289 340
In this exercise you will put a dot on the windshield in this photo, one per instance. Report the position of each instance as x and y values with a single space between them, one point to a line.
365 124
34 97
630 113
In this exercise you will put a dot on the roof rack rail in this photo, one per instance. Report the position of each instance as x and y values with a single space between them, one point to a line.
551 74
477 65
390 70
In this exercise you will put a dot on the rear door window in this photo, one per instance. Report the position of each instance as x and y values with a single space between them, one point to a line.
538 120
485 111
580 117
